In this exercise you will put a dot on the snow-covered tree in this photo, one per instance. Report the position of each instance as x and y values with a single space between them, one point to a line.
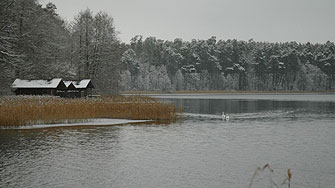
130 60
178 83
96 50
125 80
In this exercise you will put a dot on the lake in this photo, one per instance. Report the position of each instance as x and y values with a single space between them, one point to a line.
294 132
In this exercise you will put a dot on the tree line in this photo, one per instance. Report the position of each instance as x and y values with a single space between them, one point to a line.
36 43
153 64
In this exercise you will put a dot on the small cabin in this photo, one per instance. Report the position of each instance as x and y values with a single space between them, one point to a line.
53 87
78 89
71 91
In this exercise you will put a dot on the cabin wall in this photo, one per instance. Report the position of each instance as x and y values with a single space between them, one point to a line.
73 94
32 91
55 92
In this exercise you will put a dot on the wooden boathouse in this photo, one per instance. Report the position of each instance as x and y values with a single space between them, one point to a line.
53 87
78 89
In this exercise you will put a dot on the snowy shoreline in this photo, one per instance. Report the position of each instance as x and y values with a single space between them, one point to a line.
89 122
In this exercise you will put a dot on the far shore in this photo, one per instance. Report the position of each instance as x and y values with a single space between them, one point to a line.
209 92
279 96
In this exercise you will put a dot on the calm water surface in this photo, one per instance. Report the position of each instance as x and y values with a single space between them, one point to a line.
296 132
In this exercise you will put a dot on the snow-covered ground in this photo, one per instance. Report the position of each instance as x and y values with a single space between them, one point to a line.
89 122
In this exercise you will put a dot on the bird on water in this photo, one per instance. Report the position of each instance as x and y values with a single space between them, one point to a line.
225 117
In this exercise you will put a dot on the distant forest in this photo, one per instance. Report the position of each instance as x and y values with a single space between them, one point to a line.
36 43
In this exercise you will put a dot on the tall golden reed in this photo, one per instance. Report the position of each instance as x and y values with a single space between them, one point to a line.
28 110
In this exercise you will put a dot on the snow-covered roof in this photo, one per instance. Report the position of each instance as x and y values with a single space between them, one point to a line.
82 84
67 83
18 83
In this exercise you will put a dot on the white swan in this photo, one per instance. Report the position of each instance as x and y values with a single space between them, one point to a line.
225 117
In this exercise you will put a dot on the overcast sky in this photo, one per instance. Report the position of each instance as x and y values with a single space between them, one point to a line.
263 20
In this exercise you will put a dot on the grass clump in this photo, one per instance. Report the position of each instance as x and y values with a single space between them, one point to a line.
29 110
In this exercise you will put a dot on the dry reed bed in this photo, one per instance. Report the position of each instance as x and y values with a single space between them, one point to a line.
28 110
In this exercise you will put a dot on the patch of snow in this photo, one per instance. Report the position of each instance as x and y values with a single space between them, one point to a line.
241 69
89 122
230 68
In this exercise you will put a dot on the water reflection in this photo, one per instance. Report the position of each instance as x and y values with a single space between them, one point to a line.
217 106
